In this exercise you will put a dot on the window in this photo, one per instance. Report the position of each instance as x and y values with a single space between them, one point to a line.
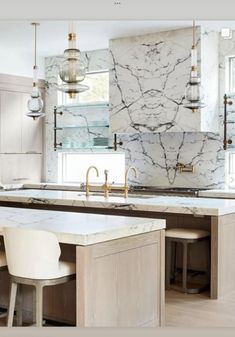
230 169
231 74
98 83
73 167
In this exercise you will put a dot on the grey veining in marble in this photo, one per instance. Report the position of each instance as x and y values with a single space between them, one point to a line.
180 205
76 228
156 155
148 78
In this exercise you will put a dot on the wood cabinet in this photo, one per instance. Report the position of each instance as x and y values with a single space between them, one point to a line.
21 137
20 168
18 133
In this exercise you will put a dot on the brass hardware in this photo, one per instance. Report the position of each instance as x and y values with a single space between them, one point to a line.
72 36
56 144
126 179
227 101
185 167
87 187
106 187
116 143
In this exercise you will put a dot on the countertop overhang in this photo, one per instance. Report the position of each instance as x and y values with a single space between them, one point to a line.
78 228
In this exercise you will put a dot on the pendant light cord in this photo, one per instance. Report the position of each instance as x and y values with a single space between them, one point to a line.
35 24
35 45
194 39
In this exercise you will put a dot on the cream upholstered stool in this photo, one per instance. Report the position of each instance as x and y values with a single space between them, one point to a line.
33 259
185 236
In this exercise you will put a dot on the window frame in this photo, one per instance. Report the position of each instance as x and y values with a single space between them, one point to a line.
229 76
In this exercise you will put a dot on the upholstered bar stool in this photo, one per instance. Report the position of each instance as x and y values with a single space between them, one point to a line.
185 236
33 259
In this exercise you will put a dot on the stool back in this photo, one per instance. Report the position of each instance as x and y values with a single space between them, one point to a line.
31 253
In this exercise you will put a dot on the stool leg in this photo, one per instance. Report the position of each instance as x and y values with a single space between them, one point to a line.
11 304
19 306
185 266
174 262
39 304
208 267
168 263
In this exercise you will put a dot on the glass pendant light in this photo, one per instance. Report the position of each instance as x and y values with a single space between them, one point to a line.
35 103
73 68
193 94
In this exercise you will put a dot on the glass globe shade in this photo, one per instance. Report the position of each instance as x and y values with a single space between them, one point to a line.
73 68
194 94
35 104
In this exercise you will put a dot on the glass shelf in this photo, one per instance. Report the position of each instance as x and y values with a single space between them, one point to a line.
83 106
81 127
96 148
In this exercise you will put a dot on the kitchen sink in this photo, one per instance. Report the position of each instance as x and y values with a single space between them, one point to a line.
118 195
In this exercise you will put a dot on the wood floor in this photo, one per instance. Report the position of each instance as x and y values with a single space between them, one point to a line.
188 311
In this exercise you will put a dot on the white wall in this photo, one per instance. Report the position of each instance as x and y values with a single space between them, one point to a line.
19 63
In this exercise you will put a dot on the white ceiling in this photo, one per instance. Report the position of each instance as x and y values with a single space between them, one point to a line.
52 35
16 38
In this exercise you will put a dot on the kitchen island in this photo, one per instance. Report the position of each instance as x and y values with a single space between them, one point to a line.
215 215
119 267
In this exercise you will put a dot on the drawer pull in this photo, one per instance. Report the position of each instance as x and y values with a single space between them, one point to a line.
19 179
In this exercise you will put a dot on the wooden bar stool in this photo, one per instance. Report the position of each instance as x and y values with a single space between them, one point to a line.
185 236
33 259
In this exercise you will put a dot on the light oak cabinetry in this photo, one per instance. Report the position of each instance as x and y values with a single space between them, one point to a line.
20 168
21 140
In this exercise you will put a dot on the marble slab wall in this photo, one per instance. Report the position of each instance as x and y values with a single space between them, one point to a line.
148 78
162 61
155 155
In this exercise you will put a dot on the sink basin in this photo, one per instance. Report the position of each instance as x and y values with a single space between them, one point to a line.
117 195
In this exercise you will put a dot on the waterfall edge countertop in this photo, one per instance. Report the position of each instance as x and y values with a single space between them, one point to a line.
163 204
218 193
78 228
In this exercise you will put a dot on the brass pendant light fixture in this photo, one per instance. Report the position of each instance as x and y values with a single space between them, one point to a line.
193 94
73 68
35 103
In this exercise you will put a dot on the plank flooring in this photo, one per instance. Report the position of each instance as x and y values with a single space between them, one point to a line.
188 310
195 311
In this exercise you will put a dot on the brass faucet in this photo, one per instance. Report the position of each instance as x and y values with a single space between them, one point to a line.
131 168
106 186
87 187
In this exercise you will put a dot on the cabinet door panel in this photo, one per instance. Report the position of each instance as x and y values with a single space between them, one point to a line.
20 168
31 130
11 103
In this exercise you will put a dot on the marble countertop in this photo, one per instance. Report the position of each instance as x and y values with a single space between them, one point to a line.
165 204
218 193
78 228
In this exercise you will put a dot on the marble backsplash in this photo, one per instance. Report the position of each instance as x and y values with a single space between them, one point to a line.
155 155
